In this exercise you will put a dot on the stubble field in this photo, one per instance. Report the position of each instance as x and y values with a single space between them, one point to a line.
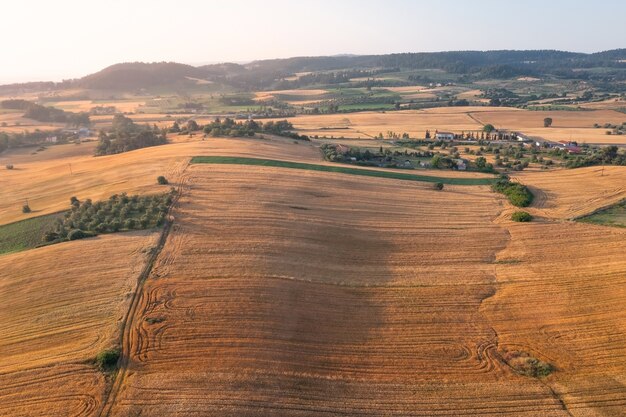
298 293
61 305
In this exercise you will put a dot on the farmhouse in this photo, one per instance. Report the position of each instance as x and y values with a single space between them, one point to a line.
444 136
569 146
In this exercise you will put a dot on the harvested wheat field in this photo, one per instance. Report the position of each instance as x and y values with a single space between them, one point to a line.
566 125
284 292
561 289
48 183
566 194
61 305
370 124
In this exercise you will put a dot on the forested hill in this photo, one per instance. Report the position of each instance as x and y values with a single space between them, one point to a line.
271 73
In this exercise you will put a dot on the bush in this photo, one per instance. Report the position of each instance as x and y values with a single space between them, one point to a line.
162 180
9 166
50 236
76 234
438 186
26 209
107 359
521 216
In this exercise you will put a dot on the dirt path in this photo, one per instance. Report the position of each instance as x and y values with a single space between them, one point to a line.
136 301
474 118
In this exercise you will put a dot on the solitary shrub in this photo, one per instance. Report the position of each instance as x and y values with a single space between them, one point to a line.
438 186
525 364
76 234
162 180
521 216
107 359
26 208
50 236
9 166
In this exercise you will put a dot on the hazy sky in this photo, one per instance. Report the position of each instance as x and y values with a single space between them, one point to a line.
56 39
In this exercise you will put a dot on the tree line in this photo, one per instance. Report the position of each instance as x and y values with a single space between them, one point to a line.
46 113
125 135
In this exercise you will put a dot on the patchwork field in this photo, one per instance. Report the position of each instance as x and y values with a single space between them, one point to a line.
63 304
292 286
48 182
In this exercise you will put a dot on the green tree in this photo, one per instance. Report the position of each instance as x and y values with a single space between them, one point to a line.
547 122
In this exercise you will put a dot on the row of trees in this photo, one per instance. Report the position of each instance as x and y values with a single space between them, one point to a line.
46 113
488 133
335 153
37 137
230 127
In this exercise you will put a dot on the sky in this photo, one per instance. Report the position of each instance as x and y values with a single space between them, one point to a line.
61 39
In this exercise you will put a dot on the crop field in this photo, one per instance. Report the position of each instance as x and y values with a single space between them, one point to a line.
48 183
370 124
611 216
62 304
567 194
293 286
262 310
340 169
566 125
25 234
561 292
256 308
124 106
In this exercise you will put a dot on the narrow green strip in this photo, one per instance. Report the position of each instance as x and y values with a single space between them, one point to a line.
340 169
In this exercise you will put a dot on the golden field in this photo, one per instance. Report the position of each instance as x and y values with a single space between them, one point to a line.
295 293
285 292
561 289
570 193
63 304
49 178
566 125
370 124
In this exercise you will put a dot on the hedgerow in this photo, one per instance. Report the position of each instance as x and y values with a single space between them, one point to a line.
519 195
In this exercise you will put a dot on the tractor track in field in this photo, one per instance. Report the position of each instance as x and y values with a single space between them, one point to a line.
128 321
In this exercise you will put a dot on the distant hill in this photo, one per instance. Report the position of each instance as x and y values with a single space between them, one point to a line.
136 75
271 73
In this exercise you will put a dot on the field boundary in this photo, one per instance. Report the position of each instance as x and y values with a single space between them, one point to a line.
233 160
